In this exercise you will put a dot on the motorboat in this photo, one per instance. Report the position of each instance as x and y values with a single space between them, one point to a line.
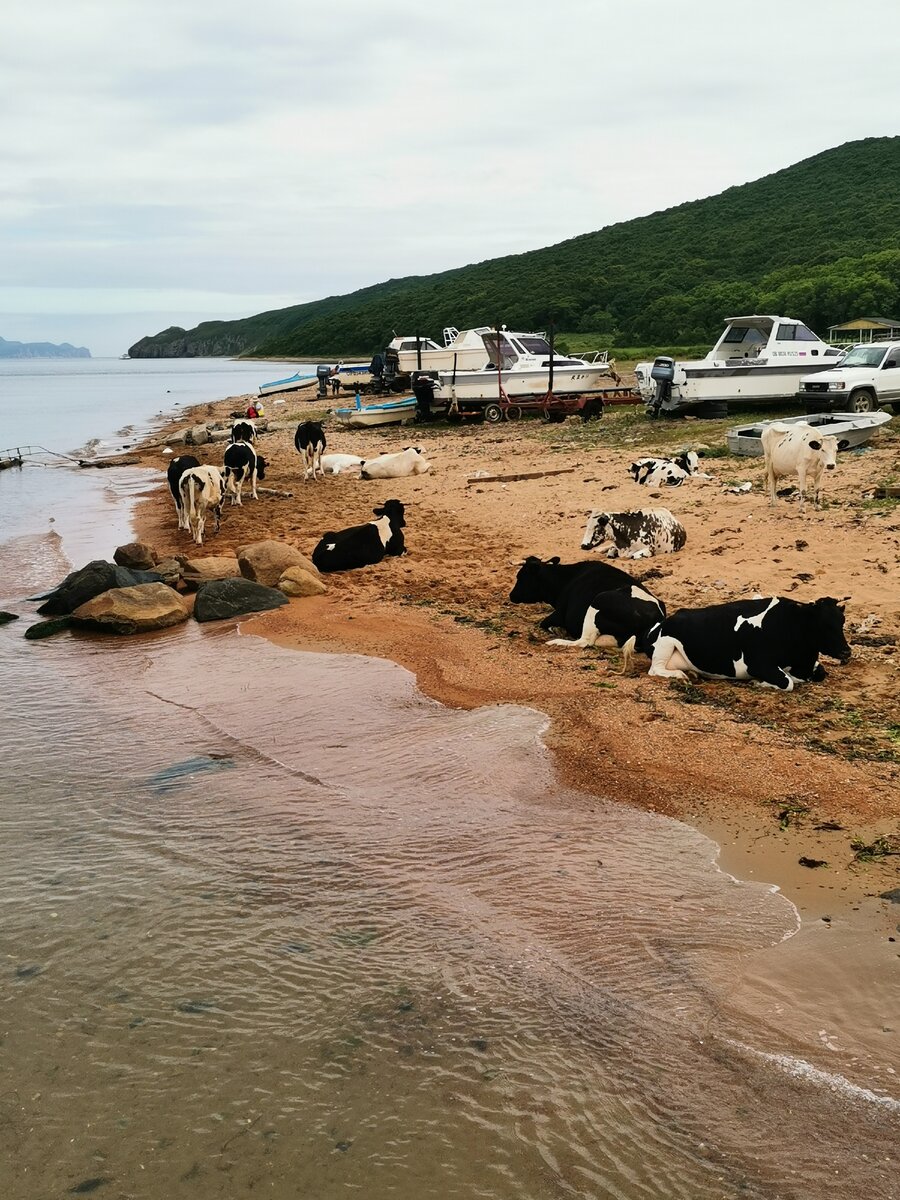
377 412
757 360
523 364
850 429
291 384
464 350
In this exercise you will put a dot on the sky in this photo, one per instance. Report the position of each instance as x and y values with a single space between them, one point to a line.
166 162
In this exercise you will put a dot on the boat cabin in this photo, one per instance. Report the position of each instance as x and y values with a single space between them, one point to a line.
505 350
768 339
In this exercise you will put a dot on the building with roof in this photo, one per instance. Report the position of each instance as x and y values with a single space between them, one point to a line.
865 329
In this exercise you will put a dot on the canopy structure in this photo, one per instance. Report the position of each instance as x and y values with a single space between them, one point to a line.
865 329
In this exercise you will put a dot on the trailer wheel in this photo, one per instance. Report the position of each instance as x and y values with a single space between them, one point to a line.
513 413
454 418
553 418
493 414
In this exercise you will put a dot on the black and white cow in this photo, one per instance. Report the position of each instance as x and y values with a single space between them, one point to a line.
174 472
637 534
242 464
202 491
772 640
363 545
243 430
667 472
310 442
618 617
569 587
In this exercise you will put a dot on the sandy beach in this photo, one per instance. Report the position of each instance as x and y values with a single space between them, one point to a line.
774 778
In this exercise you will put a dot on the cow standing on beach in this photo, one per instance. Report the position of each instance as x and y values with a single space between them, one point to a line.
243 430
174 472
799 450
242 464
309 441
202 491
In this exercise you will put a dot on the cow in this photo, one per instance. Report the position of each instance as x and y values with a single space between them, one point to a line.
799 450
243 431
174 472
341 464
667 472
363 545
202 490
619 617
242 464
569 587
771 639
408 461
310 442
640 533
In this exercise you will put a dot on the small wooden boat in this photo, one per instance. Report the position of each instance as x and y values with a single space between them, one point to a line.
290 384
377 412
850 429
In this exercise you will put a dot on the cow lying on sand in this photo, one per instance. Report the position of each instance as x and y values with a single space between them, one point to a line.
569 587
620 617
638 534
363 545
799 450
396 466
773 640
667 472
202 491
341 464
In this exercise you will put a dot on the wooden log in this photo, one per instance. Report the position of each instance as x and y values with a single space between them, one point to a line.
518 475
276 492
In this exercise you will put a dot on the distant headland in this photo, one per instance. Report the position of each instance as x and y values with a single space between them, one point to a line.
41 350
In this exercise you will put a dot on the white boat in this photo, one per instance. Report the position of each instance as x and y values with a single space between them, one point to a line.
291 384
377 412
406 354
850 429
757 360
519 363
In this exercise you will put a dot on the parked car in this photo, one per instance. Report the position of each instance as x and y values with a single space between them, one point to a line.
867 379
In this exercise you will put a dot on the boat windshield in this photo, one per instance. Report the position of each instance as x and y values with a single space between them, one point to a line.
744 335
533 344
864 356
505 356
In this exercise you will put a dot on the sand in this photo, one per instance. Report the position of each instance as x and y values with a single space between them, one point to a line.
768 774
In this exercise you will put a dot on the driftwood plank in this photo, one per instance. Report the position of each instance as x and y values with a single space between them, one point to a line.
519 475
276 492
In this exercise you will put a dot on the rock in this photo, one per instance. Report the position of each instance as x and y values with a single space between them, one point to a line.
6 617
266 562
176 438
296 581
137 555
197 436
220 435
45 629
98 576
893 895
129 610
195 571
223 598
169 571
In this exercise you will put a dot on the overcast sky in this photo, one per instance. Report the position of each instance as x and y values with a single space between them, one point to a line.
171 161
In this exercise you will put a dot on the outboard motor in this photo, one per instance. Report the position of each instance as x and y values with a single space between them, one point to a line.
423 390
323 374
663 371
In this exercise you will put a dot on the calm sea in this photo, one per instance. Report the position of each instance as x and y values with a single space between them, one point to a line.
273 923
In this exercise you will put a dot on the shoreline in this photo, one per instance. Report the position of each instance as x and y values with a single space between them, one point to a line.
753 784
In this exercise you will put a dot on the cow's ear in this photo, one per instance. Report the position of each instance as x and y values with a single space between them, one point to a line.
815 445
554 561
379 512
700 453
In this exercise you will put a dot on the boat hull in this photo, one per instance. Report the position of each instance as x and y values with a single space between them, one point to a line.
850 429
484 385
291 384
391 413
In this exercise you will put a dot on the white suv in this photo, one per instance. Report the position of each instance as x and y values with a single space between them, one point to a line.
867 379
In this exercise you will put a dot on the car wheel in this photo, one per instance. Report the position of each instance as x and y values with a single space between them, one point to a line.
493 414
863 401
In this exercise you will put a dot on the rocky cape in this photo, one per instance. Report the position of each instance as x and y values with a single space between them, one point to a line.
41 350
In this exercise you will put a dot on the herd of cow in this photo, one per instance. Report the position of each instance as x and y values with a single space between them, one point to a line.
772 640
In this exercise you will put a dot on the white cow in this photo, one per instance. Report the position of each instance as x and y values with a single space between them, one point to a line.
341 464
799 450
396 466
202 490
637 534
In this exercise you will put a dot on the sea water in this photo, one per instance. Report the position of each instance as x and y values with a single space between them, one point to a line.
273 922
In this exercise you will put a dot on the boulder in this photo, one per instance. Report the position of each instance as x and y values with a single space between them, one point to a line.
195 571
45 629
6 617
169 571
266 562
219 435
223 598
98 576
198 435
296 581
132 609
138 555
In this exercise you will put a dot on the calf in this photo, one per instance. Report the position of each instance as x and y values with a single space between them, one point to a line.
797 450
310 442
667 472
174 472
638 534
243 431
242 463
363 545
409 461
773 640
202 490
569 587
620 617
341 464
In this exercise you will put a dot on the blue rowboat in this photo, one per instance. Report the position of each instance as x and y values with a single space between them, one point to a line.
286 385
378 412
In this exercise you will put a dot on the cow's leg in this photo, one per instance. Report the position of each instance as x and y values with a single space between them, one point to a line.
771 484
818 481
554 620
253 484
199 522
767 672
589 633
669 660
801 484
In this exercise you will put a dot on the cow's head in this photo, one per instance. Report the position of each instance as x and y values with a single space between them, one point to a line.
595 531
415 449
689 461
828 615
393 510
827 449
634 470
260 467
528 588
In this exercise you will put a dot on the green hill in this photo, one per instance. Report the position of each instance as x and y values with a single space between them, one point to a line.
819 240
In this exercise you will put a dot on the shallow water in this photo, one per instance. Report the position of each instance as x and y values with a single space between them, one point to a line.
274 921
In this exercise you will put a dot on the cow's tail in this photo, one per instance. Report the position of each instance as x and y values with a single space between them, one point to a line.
191 505
628 654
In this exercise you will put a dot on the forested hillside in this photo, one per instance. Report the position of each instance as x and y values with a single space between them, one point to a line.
819 241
